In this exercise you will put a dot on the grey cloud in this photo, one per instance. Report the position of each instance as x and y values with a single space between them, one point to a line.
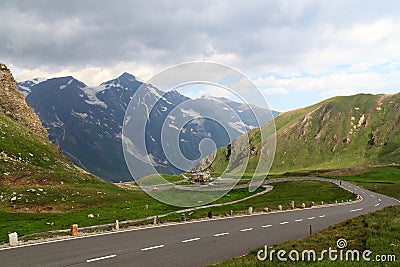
60 34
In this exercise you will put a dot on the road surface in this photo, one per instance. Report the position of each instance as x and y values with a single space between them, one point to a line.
192 243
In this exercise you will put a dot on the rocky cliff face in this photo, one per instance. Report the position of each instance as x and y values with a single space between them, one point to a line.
13 105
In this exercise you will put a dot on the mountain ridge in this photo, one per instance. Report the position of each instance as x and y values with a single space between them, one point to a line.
340 132
88 127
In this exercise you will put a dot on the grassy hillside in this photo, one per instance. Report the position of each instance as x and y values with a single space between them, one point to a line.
155 179
340 132
40 189
35 177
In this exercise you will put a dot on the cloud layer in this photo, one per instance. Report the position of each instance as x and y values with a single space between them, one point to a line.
285 46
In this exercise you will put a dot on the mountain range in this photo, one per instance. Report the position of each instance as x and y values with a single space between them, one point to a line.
86 121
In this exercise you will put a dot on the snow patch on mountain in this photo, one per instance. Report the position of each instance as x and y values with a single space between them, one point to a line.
190 113
25 86
62 87
91 93
158 95
238 126
80 115
118 135
38 80
173 126
26 90
134 151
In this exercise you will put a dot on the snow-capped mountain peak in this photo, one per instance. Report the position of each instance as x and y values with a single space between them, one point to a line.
25 86
125 80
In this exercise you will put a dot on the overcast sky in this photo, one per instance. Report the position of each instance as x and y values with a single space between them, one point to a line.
297 52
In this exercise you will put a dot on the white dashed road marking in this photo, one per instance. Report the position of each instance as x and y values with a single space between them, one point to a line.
150 248
190 240
298 220
311 218
376 205
283 222
322 216
221 234
356 210
247 229
379 199
102 258
266 226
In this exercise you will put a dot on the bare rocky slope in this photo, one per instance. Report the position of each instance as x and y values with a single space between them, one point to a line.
13 105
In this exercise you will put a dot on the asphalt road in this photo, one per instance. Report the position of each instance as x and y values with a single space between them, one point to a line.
192 243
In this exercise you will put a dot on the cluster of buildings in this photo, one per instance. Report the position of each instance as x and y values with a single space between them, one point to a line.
200 176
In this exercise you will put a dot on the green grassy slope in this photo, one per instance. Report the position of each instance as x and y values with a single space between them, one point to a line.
155 179
35 177
340 132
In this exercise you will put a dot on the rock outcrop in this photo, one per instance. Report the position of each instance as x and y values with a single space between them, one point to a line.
13 105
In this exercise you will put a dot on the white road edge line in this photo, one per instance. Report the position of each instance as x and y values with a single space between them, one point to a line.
221 234
266 226
247 229
298 220
284 223
101 258
321 216
190 240
150 248
311 218
356 210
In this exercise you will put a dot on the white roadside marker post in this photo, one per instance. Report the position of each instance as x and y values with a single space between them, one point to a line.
13 238
250 210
